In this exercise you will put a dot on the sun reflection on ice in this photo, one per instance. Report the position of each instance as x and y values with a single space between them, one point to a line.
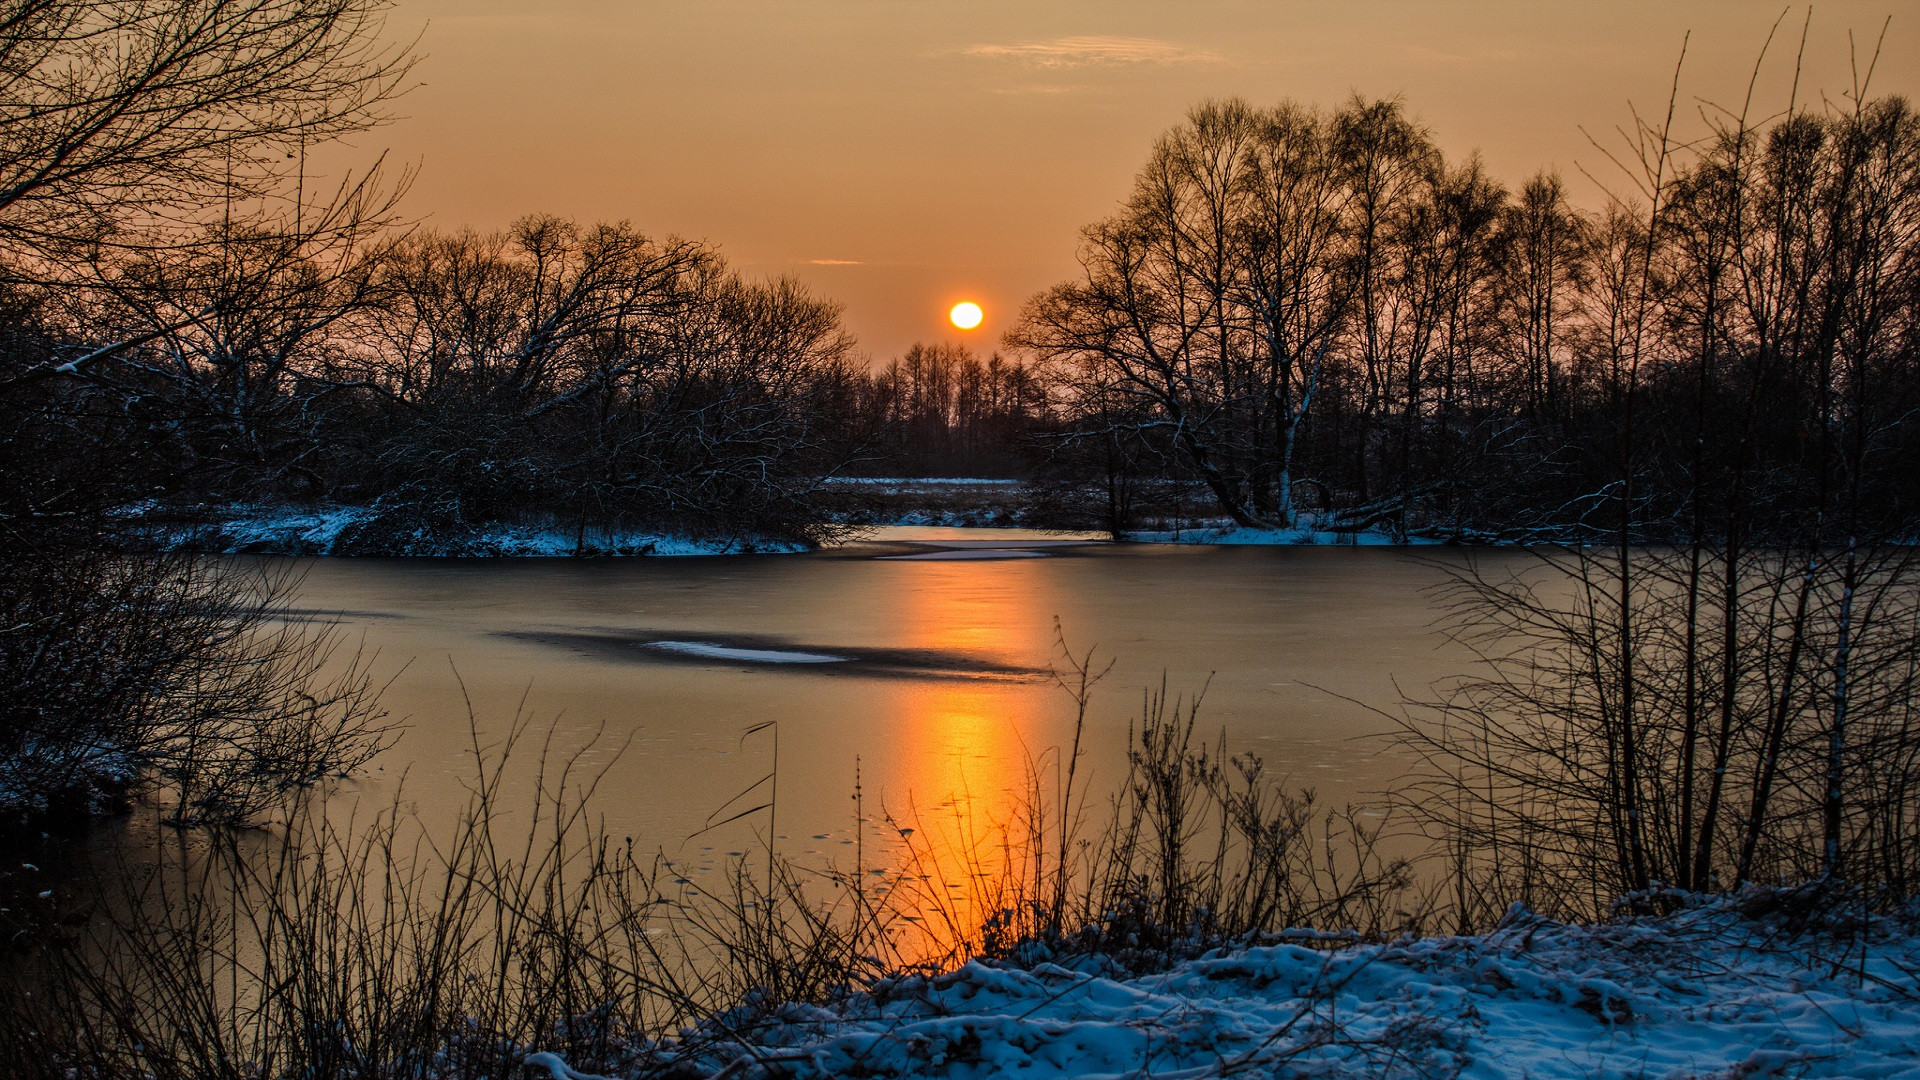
964 748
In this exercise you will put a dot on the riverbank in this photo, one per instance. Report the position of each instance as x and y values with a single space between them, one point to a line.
1160 513
1761 984
271 529
860 507
890 505
1228 534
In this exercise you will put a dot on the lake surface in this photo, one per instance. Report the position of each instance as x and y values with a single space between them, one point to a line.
920 657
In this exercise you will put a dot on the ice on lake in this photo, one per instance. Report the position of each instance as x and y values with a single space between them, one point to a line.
758 656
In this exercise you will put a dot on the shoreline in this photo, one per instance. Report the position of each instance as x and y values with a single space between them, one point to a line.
336 531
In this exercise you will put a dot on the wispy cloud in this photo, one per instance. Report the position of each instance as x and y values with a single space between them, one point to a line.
835 262
1094 50
1038 88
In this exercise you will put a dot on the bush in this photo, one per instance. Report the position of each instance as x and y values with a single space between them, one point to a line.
191 674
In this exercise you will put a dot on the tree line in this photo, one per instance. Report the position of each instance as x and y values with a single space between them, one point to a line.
1317 310
1296 311
596 375
939 410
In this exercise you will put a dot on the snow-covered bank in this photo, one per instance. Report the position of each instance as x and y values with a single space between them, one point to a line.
1176 516
262 529
258 529
1301 537
348 530
1723 989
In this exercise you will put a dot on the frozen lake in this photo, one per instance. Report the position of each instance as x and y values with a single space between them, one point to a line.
922 653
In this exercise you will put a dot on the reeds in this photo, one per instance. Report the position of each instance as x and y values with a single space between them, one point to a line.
349 945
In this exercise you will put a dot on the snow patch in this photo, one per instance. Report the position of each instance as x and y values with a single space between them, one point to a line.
264 529
757 656
1707 991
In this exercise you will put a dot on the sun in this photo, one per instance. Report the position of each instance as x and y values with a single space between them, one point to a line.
966 315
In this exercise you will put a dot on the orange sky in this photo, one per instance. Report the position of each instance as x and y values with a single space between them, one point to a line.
899 155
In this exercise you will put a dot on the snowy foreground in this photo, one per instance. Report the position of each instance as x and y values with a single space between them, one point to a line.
1708 992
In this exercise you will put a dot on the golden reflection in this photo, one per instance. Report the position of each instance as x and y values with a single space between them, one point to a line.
960 810
966 750
992 607
965 745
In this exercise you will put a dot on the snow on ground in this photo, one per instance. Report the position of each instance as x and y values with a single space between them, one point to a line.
284 530
1705 992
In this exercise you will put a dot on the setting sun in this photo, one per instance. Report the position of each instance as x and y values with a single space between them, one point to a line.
966 315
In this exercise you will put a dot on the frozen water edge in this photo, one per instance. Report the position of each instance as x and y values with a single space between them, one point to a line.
1708 991
263 529
283 530
1239 537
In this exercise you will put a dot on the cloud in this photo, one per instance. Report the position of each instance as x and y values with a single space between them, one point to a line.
835 262
1094 50
1037 88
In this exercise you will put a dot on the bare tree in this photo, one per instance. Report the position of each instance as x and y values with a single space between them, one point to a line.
149 151
1733 702
123 110
1542 273
1295 285
592 373
1213 298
